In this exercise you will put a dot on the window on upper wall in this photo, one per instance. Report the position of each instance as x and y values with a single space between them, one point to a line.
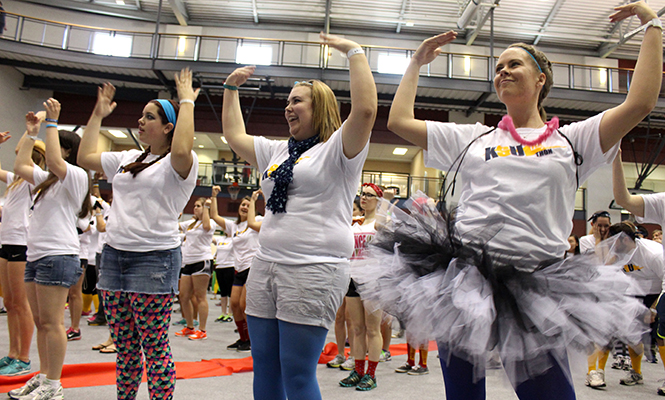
393 63
112 44
253 54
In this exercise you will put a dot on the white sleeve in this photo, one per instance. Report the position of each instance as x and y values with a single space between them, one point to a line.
263 150
76 183
111 163
446 140
654 209
39 175
354 164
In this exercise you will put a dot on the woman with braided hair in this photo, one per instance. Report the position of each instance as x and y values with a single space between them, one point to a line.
493 275
141 260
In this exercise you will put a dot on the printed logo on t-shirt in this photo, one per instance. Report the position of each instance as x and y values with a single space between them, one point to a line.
238 233
519 151
273 167
632 268
361 242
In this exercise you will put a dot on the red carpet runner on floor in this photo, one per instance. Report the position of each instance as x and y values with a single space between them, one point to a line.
100 374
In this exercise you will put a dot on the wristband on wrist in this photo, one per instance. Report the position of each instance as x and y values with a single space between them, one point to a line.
230 87
33 137
51 120
354 51
188 101
51 125
656 23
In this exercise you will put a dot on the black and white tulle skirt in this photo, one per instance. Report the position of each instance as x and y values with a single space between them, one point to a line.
471 300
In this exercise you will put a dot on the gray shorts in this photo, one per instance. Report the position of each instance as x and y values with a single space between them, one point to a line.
308 294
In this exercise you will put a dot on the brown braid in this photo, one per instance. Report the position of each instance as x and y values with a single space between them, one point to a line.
138 165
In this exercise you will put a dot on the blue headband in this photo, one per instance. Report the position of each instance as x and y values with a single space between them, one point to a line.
532 57
168 110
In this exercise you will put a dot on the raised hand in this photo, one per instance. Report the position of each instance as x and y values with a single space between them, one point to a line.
183 83
32 123
338 43
215 190
52 107
105 104
430 48
240 75
638 8
4 136
256 194
207 203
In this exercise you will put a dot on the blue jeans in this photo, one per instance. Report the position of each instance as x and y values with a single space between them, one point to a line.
54 270
150 272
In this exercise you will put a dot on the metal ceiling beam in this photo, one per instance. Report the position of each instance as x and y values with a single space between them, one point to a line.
401 16
483 97
553 12
180 11
255 12
481 22
606 48
102 10
326 27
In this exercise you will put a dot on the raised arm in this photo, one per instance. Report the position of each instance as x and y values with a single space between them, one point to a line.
402 120
89 156
251 212
364 101
645 85
100 224
4 136
233 124
54 161
205 216
183 137
631 202
23 165
213 209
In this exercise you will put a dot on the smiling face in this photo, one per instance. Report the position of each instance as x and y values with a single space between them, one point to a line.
602 226
299 113
517 77
152 130
242 210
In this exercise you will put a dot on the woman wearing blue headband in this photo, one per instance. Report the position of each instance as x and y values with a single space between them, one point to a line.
141 261
497 277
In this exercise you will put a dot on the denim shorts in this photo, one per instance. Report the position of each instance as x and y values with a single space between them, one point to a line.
54 270
150 272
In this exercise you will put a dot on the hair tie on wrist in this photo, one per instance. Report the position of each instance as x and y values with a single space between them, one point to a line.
51 126
230 87
51 120
33 137
188 101
354 51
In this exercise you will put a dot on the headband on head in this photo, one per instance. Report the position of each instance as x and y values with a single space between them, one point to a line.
377 189
168 110
595 216
532 57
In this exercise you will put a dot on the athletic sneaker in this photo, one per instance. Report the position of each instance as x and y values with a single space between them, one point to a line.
181 322
244 346
366 383
404 368
98 321
196 323
15 368
73 335
186 331
234 346
198 335
45 392
419 370
595 379
350 381
336 362
26 389
385 356
661 390
3 311
349 364
632 378
5 361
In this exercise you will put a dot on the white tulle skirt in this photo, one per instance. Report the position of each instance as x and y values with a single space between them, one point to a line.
471 301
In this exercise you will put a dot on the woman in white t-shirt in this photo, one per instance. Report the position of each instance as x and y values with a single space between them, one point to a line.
484 285
224 272
141 260
61 195
195 275
245 236
300 275
14 231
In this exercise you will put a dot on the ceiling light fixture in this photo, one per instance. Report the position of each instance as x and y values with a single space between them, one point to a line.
224 140
120 2
117 133
400 151
469 12
200 146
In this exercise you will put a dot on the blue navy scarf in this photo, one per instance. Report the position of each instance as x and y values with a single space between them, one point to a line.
283 175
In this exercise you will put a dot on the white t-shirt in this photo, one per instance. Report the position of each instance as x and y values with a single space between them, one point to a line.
224 256
15 212
362 236
245 242
646 266
526 193
587 244
52 228
316 226
84 238
101 239
197 245
654 212
144 215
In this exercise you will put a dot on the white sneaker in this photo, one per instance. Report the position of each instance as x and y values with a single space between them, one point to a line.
632 378
595 379
45 392
349 364
28 388
336 362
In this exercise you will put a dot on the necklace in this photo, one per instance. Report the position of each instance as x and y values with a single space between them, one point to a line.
507 125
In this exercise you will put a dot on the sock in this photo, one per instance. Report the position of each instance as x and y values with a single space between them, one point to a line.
602 359
371 368
242 330
411 357
423 357
87 300
41 377
635 360
592 360
54 383
360 367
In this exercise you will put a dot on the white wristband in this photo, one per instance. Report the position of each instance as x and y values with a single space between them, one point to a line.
354 51
32 137
187 101
656 23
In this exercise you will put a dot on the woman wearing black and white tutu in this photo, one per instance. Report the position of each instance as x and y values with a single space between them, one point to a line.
499 279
